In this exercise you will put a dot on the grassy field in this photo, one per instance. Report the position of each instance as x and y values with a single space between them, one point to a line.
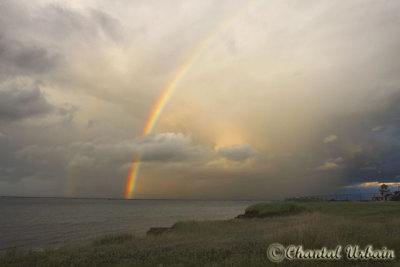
240 242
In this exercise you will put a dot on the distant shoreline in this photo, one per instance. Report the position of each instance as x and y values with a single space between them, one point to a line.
166 199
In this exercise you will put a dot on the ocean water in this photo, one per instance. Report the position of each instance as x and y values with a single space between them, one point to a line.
38 223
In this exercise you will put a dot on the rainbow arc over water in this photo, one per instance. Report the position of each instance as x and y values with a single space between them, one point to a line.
169 89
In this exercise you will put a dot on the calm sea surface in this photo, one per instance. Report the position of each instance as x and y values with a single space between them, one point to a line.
36 223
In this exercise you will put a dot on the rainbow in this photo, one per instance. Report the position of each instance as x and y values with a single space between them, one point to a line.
169 90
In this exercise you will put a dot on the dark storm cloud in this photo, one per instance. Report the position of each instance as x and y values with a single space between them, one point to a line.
369 145
36 45
19 58
33 38
20 100
19 53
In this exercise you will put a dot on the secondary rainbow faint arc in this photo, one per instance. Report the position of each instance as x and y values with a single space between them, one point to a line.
169 90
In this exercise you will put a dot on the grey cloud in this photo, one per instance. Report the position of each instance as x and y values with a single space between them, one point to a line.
84 25
5 172
2 135
331 164
170 147
163 147
330 138
37 39
369 152
111 155
22 52
237 152
108 25
56 20
67 112
21 58
376 129
22 99
99 160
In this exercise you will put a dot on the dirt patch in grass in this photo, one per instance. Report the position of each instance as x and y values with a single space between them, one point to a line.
273 209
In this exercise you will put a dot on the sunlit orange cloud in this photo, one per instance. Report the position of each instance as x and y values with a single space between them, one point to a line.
371 184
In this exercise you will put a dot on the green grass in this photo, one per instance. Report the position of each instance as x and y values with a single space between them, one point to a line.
239 242
354 209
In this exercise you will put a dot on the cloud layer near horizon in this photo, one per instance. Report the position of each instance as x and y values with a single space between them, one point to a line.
290 98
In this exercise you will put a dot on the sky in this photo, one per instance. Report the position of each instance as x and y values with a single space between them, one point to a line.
280 99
